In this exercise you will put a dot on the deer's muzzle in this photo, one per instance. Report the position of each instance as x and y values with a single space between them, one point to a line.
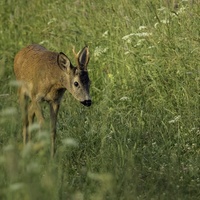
86 103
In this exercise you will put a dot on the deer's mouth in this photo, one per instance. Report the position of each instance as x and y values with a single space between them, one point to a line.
87 103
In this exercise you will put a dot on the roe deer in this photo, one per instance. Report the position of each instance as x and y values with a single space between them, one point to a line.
44 76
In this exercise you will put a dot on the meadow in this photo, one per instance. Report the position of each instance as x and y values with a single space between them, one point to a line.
140 139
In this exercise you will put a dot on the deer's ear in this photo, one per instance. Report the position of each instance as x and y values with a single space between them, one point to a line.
63 61
83 58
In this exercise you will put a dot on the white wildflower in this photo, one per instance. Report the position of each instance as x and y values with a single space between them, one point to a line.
164 21
126 37
140 42
124 98
182 10
105 34
99 50
151 47
142 34
177 118
142 27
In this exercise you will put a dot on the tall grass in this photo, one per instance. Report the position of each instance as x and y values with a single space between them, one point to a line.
140 139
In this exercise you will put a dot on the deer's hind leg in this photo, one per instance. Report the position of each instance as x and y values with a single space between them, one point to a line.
35 110
23 100
31 116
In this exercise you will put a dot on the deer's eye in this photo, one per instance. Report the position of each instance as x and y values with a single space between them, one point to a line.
76 84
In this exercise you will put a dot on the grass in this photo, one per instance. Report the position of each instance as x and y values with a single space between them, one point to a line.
141 137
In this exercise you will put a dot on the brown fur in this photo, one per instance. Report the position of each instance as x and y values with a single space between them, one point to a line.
44 76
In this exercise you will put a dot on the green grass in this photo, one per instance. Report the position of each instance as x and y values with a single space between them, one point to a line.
141 137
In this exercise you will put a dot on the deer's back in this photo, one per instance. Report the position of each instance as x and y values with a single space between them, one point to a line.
34 61
37 69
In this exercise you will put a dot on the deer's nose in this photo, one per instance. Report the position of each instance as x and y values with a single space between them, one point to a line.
87 103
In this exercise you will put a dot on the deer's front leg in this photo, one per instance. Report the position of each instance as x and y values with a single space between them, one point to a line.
54 107
35 110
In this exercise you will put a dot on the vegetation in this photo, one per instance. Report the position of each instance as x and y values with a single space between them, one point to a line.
141 137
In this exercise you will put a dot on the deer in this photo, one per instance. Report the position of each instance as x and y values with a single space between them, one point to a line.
44 75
